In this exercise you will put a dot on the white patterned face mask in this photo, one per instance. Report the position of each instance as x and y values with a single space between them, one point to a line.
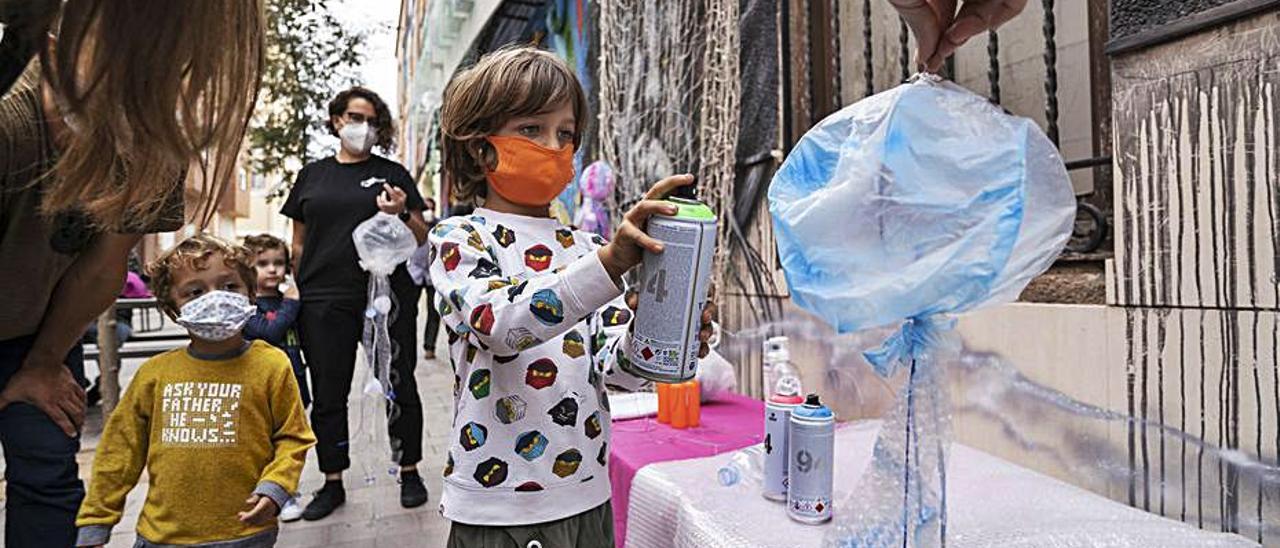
217 315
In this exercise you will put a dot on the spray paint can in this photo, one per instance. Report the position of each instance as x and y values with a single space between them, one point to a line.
673 292
777 428
812 450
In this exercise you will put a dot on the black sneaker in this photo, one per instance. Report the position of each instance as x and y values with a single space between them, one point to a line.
326 500
413 493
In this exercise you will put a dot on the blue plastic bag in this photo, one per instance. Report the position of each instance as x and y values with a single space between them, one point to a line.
924 199
906 207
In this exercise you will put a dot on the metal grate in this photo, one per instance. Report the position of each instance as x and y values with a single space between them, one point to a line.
1051 72
993 65
903 52
868 72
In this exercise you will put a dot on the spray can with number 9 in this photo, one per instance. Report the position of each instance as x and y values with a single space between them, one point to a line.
673 291
812 447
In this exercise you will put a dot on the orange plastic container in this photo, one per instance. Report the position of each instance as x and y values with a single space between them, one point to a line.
664 403
679 405
693 397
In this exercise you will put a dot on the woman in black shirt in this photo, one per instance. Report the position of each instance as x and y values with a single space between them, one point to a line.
330 198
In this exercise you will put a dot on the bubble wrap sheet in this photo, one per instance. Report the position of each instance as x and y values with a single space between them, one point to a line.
991 503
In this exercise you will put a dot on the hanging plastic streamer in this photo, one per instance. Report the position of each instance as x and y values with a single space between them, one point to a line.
383 242
909 206
598 182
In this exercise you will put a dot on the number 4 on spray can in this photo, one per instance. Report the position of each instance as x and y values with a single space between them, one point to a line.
673 291
777 428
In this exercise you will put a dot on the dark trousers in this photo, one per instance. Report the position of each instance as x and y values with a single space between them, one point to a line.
331 331
590 529
432 330
43 488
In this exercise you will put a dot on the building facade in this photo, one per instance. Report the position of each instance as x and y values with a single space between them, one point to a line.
432 41
1165 113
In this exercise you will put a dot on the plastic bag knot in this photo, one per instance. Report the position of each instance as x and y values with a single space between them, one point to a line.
916 336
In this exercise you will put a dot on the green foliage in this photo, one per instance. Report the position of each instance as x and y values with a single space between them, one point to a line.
310 56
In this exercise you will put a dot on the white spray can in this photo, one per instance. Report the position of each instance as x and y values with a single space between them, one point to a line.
777 428
812 447
673 292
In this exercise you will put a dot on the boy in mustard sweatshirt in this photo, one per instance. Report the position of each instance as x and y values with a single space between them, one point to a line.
218 425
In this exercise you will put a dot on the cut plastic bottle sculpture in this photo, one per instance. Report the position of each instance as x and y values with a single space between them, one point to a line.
383 242
904 208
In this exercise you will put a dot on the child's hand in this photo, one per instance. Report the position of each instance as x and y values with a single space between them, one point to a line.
710 313
289 287
630 241
263 510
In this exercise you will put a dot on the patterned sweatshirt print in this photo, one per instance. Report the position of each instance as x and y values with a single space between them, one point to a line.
536 328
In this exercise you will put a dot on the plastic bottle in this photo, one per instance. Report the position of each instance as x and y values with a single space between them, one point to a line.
777 362
746 466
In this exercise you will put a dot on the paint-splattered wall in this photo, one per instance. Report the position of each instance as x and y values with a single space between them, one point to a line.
1196 173
1195 132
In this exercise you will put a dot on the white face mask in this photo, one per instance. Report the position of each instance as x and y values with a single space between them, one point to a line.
357 138
216 316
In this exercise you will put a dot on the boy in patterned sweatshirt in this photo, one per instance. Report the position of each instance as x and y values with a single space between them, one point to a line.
218 425
534 311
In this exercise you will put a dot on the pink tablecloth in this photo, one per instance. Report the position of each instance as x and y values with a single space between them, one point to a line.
732 423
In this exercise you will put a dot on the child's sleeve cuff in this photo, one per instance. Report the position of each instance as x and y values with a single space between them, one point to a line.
589 284
275 492
93 535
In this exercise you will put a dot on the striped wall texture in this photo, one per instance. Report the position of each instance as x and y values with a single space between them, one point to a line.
1197 169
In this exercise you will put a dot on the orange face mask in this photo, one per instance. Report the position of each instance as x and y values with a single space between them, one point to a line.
529 174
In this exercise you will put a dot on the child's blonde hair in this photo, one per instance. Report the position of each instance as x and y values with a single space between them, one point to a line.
507 83
195 252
